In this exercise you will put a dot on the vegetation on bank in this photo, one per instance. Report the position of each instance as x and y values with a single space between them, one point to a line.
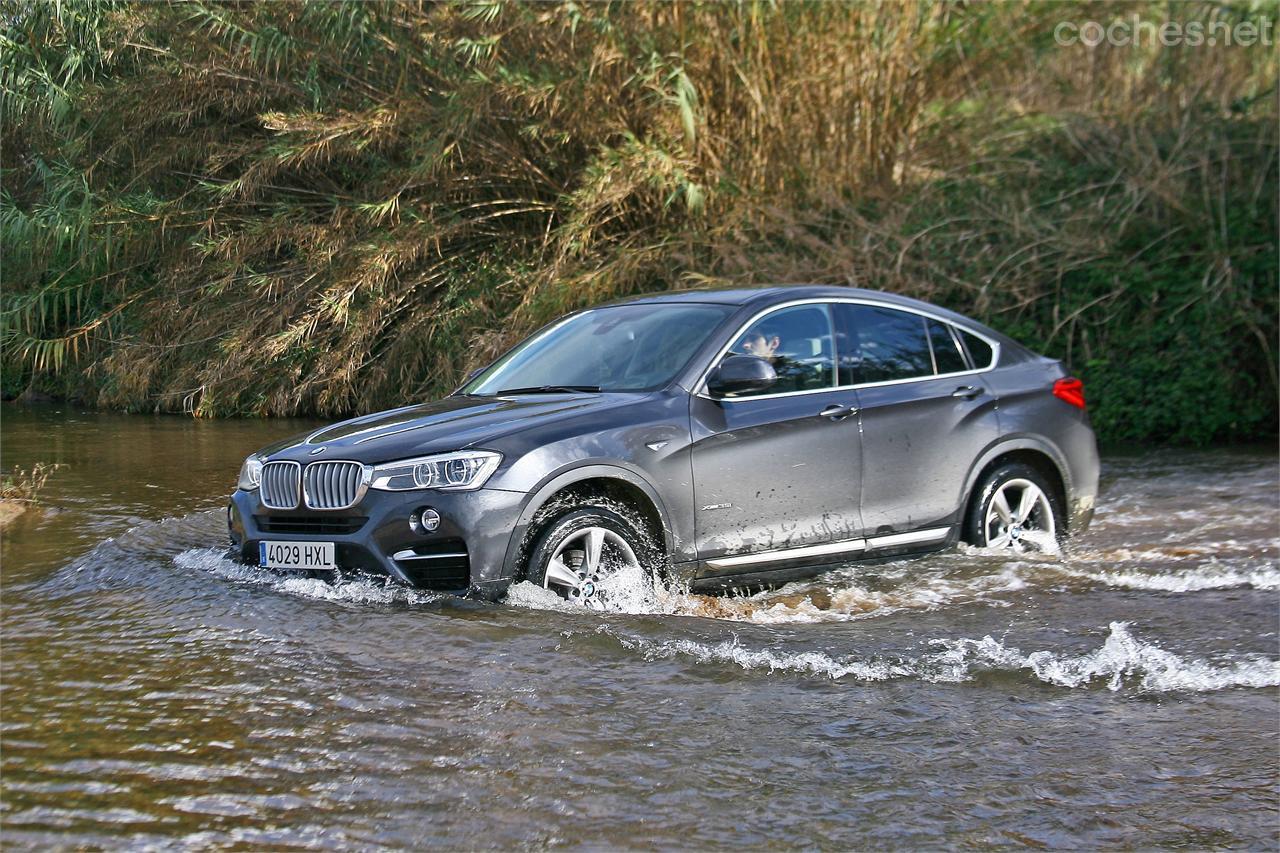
24 486
20 489
325 208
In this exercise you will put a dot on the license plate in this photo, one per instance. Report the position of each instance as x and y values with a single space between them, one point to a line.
296 555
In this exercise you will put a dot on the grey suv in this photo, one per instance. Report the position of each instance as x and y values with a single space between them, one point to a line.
729 438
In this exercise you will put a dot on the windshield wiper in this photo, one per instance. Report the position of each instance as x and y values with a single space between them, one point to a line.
551 389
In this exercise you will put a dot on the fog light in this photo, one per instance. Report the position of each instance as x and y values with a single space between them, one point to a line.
424 520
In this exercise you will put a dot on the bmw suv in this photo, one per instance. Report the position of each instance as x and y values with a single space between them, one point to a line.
730 438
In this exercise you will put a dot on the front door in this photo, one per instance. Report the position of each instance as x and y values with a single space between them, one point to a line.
777 470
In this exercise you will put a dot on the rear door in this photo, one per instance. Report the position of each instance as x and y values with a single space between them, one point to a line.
925 415
779 469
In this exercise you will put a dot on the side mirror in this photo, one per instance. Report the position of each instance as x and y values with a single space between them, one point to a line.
741 373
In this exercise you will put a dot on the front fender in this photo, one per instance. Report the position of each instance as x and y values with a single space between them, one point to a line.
577 473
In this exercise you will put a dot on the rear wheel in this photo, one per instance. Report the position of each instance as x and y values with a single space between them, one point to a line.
1015 510
586 553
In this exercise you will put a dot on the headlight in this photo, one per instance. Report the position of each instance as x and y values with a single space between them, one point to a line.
447 472
250 474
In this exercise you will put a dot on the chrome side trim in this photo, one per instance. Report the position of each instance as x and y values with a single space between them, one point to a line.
848 546
411 554
701 384
845 547
931 535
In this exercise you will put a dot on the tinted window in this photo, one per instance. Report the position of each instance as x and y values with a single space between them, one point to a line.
979 350
946 356
797 342
619 348
880 344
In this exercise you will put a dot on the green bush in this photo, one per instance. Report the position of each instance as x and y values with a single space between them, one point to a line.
320 208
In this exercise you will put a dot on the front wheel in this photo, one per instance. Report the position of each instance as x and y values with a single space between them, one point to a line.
1016 510
589 556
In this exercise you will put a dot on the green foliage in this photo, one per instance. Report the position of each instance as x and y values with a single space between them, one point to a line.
315 207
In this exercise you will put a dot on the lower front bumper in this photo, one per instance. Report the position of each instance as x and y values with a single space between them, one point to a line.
466 552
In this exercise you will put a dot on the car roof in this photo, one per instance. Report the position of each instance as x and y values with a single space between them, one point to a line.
763 297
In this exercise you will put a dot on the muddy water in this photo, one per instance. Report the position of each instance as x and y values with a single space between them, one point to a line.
157 695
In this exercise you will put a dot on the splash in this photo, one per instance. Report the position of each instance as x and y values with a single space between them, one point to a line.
1122 661
630 590
1211 575
359 590
733 652
838 596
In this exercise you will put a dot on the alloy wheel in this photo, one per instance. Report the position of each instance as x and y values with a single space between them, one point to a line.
1020 518
585 558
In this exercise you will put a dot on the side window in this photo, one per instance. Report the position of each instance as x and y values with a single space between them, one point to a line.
881 344
946 357
979 350
797 342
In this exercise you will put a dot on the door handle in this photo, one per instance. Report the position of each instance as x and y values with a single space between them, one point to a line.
837 412
968 392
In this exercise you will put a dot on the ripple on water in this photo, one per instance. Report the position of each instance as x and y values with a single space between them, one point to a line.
158 695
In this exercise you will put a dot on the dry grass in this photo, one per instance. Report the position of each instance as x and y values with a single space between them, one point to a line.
23 486
327 208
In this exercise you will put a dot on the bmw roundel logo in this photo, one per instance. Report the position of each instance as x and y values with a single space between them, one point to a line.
317 451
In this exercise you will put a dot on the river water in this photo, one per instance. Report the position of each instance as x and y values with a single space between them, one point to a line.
156 695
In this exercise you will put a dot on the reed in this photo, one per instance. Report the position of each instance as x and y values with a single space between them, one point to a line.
23 486
316 208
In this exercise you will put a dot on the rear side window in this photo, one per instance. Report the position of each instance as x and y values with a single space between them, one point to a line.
946 355
881 344
979 350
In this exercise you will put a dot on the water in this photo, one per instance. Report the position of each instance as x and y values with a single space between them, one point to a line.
156 695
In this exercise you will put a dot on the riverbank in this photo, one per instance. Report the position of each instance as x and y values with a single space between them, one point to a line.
9 512
331 208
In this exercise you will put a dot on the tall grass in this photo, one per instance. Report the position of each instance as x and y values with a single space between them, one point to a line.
327 208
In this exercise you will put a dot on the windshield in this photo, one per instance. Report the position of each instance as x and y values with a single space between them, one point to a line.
619 348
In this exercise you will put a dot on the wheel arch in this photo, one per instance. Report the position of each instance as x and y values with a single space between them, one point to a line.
585 482
1041 456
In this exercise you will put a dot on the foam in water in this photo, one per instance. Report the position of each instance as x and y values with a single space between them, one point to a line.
361 590
844 595
811 663
628 590
1122 660
838 597
1211 575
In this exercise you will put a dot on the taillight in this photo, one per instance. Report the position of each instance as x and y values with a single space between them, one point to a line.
1070 390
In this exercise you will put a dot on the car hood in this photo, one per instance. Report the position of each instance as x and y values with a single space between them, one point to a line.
453 423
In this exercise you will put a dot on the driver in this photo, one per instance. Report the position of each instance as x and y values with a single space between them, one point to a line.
764 342
756 342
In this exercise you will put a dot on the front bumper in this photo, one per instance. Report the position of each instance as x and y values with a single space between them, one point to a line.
466 553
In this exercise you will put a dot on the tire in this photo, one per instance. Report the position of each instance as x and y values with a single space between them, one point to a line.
562 556
1015 509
